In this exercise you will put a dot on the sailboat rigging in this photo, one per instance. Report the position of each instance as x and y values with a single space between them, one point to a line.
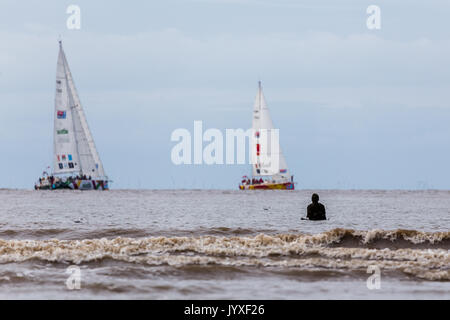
76 162
265 176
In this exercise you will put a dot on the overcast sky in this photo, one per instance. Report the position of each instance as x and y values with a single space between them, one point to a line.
356 108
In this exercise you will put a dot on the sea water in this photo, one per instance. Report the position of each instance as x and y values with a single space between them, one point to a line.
214 244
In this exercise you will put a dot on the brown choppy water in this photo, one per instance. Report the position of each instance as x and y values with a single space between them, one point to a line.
224 244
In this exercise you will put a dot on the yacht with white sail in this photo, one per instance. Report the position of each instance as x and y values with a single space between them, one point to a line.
265 175
76 162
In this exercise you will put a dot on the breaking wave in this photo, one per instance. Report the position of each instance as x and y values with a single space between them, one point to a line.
418 254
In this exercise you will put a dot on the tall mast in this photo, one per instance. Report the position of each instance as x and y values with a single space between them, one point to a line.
65 151
258 144
260 93
71 107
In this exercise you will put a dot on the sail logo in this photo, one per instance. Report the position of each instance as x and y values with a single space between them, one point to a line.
61 114
240 147
62 131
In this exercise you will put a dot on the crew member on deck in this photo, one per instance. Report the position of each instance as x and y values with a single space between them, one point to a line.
316 210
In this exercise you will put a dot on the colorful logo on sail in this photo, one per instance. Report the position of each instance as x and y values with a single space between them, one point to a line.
62 131
61 114
283 171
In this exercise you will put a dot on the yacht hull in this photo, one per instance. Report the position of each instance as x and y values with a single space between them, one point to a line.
83 185
268 186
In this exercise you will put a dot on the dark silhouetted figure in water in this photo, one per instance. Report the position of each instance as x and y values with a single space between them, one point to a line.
316 210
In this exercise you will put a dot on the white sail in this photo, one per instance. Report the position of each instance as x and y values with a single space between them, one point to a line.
76 152
262 145
65 159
